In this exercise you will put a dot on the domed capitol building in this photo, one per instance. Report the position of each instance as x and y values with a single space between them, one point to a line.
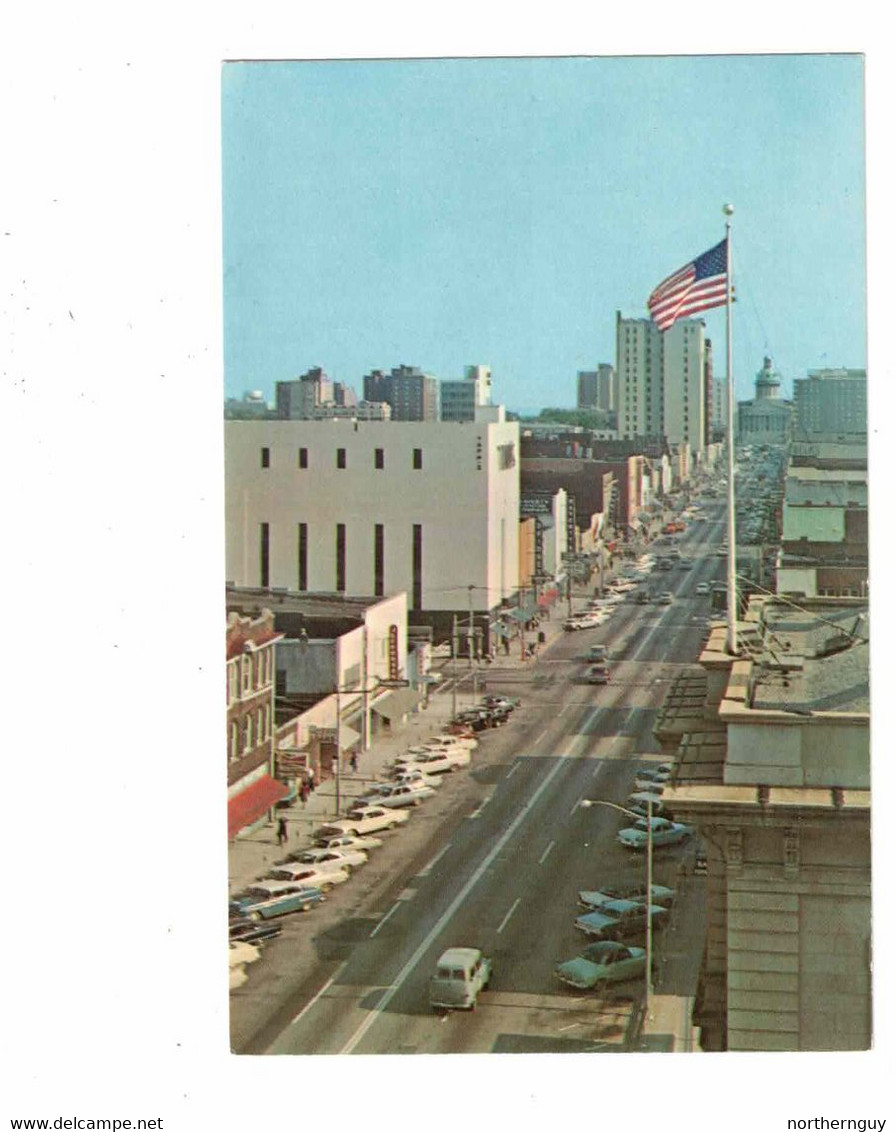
766 419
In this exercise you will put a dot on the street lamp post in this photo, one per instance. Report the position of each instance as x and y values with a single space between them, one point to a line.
648 982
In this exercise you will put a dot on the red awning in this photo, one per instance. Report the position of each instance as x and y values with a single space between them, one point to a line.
247 806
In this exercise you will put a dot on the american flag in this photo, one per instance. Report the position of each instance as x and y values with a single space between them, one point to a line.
698 286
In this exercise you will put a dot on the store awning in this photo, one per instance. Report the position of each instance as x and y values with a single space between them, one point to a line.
347 736
250 804
524 614
397 703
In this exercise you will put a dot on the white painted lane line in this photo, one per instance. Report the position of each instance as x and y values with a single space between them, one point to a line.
394 908
513 769
323 990
439 925
428 869
480 808
513 908
543 857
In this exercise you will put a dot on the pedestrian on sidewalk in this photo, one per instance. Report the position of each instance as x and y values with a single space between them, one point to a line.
310 780
353 762
282 833
304 792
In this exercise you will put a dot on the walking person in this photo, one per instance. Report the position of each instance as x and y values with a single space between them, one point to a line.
304 792
282 833
353 762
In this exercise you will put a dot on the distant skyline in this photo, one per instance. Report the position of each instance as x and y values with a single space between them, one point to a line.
444 213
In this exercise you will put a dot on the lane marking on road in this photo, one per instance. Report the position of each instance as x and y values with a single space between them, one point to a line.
480 808
323 990
439 925
394 908
543 857
407 894
513 908
428 868
513 769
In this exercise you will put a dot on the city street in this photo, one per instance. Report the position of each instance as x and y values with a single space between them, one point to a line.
495 861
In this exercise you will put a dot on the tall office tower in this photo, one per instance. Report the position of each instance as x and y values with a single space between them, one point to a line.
596 389
661 380
460 399
412 394
832 402
719 414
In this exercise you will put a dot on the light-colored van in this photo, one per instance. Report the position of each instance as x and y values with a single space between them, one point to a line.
461 973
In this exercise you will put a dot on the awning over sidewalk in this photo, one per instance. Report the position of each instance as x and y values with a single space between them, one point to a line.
249 805
397 703
526 613
347 736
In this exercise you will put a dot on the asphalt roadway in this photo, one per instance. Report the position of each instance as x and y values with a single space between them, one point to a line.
495 861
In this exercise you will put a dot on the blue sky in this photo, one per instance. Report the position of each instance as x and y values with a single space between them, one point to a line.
447 212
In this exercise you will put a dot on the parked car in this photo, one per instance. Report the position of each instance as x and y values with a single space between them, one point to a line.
665 832
398 794
659 895
596 653
461 973
416 775
621 919
501 702
275 898
337 858
253 931
362 820
298 872
642 597
597 674
437 762
665 598
347 841
638 803
702 588
436 742
575 624
606 961
657 776
413 754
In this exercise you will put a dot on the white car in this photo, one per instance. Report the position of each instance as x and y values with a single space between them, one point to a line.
702 588
398 794
297 872
414 754
436 742
417 776
346 841
439 762
344 858
364 819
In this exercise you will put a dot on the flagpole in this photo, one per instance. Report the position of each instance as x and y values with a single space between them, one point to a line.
732 537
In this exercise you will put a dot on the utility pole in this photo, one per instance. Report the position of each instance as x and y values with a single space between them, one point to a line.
470 630
454 667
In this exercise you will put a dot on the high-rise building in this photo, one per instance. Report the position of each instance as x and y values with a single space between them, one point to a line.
831 402
662 379
460 399
412 394
596 389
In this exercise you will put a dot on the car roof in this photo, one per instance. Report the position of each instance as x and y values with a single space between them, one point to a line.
459 956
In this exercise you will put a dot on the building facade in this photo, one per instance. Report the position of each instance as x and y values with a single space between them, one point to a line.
251 788
596 389
662 380
461 399
767 419
355 508
833 402
411 394
774 771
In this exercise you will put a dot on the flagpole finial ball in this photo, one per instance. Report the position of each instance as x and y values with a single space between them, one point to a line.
728 209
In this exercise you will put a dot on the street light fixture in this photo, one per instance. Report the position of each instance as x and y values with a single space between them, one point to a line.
586 803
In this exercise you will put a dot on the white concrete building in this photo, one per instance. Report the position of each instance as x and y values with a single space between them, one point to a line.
661 380
461 399
373 508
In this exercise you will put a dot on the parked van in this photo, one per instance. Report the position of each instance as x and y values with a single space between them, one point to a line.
461 973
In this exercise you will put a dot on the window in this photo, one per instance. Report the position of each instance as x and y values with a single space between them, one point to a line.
417 567
417 462
303 556
340 458
264 555
303 457
379 460
265 457
378 560
340 557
